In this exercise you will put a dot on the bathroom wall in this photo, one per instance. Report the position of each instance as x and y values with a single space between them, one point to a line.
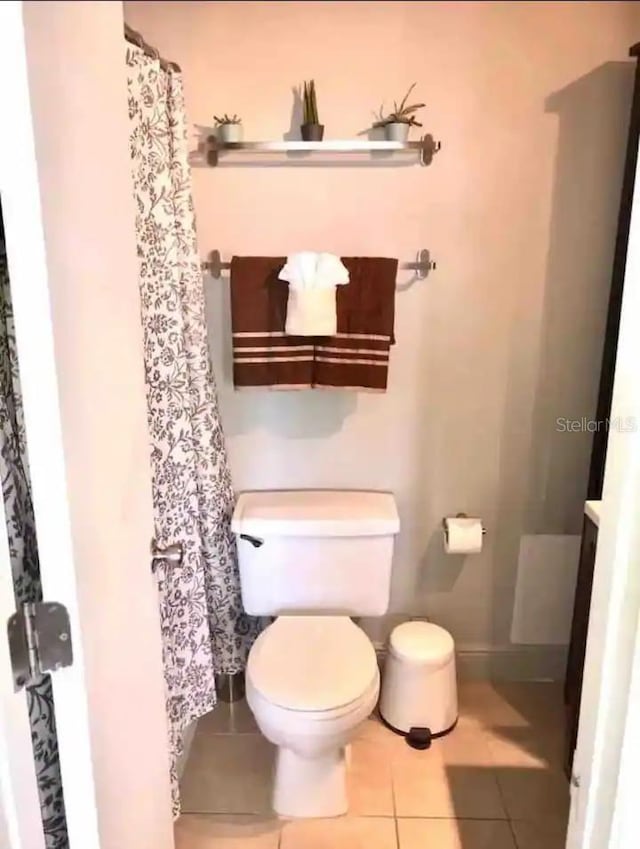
531 103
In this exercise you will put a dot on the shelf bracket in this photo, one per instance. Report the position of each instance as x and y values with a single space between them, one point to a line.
212 151
429 148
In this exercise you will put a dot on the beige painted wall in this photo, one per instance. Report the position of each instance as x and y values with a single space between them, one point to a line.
530 101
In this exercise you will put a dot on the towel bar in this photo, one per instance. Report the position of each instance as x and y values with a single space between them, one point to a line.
422 265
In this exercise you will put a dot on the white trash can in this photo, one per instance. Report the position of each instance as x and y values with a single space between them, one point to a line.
419 695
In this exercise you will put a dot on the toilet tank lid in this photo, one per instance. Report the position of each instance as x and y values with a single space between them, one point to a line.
331 513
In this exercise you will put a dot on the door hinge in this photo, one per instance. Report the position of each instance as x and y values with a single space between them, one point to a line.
39 641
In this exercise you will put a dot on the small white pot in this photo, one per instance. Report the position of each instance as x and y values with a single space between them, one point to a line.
229 132
398 132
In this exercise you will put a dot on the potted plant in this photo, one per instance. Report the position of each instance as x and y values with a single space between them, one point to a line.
311 128
397 123
228 129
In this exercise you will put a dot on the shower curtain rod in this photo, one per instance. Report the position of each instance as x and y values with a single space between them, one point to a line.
135 38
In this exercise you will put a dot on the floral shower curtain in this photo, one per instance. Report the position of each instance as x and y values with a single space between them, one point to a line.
23 551
204 628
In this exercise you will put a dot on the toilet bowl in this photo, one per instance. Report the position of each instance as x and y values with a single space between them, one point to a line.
311 681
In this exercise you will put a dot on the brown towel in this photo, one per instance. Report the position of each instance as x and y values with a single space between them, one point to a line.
263 355
357 357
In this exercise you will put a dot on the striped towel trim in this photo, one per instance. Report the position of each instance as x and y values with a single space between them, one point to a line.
349 361
263 349
295 359
275 387
379 352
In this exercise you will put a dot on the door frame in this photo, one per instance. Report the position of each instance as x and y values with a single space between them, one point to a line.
27 260
20 818
69 214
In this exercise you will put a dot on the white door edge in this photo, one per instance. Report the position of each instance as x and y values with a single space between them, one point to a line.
624 832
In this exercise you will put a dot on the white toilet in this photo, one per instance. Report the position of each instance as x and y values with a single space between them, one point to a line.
313 559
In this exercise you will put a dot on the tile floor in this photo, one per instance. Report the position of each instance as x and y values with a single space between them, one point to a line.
495 783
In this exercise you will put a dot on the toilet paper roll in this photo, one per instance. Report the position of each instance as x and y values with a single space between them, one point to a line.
462 535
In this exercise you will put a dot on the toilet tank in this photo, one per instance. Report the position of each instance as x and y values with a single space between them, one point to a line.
315 551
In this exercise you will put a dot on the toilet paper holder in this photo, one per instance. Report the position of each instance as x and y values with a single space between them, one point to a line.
458 516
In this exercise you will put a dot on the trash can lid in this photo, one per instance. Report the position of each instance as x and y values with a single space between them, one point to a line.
422 642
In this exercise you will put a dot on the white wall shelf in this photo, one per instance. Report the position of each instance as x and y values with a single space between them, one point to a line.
426 147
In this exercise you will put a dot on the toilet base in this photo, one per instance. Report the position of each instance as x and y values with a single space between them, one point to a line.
310 787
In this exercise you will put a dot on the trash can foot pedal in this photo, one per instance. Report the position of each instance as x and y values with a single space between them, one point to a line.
419 737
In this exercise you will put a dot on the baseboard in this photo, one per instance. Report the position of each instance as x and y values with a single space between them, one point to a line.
505 663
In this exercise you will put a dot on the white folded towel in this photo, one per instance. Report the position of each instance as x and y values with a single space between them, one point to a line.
312 279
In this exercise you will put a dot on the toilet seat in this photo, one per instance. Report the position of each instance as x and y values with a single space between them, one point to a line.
316 723
323 666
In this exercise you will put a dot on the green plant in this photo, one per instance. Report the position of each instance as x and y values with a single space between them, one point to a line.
401 114
227 120
310 105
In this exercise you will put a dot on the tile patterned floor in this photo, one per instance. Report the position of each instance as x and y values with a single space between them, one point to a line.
495 783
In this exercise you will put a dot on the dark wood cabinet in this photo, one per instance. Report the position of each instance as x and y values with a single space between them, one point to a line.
577 647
